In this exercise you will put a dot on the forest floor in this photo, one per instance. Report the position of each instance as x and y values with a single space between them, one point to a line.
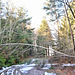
56 69
47 66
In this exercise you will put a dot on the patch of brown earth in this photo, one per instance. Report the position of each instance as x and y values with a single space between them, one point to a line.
57 70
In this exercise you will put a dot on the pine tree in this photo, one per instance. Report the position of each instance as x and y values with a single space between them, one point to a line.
67 5
64 30
44 34
14 30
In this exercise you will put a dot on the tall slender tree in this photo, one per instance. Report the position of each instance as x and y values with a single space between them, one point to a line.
44 34
59 4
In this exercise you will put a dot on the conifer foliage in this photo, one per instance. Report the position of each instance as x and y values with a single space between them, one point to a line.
44 34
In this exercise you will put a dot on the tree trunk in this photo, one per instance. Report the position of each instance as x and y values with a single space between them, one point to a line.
70 28
67 31
0 20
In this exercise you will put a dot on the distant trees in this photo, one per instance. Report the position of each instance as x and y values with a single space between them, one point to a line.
44 37
44 34
54 9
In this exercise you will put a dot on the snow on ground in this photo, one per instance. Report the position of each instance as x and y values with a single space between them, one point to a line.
31 65
24 68
46 66
68 64
46 73
33 60
27 68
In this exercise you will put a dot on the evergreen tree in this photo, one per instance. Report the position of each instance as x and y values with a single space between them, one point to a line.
54 8
44 34
65 34
14 30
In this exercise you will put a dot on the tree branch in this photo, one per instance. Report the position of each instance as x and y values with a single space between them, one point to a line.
69 7
71 10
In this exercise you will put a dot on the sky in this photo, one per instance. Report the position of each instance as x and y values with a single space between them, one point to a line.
35 9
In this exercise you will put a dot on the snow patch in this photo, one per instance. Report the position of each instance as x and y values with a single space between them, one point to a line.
46 73
68 64
26 69
5 68
46 68
31 65
33 60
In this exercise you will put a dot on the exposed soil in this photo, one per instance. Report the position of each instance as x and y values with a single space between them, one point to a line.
58 69
63 59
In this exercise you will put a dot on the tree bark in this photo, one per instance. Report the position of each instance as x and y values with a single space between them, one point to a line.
0 16
70 28
68 6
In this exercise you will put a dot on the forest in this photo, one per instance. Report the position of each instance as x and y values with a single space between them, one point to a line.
20 43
